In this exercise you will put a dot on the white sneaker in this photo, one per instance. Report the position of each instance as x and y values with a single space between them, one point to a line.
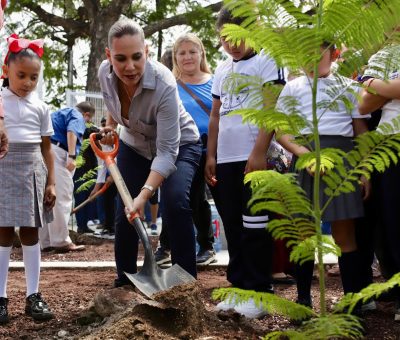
90 223
228 303
250 310
368 306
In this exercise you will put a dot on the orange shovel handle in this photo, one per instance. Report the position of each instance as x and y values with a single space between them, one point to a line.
107 156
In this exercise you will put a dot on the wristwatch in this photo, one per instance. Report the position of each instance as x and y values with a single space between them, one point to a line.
72 156
148 187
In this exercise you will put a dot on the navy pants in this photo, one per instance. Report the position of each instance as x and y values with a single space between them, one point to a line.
250 245
176 209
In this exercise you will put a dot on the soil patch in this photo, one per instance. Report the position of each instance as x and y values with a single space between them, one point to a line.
86 306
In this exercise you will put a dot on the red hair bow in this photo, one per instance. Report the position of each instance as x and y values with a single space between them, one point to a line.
16 44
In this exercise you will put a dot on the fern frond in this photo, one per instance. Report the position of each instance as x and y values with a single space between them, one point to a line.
86 186
88 175
330 158
374 290
272 303
335 326
373 151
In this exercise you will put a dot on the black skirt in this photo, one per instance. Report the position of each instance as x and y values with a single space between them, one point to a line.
343 207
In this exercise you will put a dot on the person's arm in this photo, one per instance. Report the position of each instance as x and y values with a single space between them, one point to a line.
48 157
212 142
370 102
257 159
287 141
3 139
71 141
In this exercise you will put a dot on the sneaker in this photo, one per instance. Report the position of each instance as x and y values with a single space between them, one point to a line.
90 223
250 310
205 257
37 308
105 233
153 228
368 306
162 255
3 310
228 303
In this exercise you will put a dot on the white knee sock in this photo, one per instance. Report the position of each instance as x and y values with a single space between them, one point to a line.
31 256
4 264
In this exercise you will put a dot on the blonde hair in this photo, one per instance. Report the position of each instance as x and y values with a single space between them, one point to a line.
189 37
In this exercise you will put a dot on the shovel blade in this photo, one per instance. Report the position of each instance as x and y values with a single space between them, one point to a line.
160 280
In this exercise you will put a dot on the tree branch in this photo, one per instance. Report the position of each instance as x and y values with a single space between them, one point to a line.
180 19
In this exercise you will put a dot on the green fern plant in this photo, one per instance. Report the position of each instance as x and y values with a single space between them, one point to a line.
292 32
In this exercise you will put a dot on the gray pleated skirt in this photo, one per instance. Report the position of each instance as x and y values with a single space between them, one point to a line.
23 176
345 206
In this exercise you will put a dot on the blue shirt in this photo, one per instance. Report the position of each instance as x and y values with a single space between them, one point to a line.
203 91
68 119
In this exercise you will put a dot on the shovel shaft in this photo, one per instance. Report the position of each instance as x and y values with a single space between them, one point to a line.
91 198
135 218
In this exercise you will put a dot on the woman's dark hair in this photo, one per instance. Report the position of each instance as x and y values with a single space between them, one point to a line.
24 53
226 17
123 27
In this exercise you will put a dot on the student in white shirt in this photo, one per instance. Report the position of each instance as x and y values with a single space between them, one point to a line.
27 181
235 148
384 81
336 129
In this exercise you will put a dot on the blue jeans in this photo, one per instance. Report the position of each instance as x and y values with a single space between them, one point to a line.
176 210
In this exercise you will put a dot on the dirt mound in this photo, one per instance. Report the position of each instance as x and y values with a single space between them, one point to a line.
176 313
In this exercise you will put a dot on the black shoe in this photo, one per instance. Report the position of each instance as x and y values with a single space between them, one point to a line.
3 310
205 257
162 255
121 282
85 231
37 308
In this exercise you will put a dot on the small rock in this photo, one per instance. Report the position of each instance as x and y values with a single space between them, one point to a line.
62 334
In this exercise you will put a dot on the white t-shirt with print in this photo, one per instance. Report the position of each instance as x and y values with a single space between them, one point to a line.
235 138
332 121
26 119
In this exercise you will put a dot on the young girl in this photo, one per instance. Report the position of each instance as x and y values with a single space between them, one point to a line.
27 192
336 129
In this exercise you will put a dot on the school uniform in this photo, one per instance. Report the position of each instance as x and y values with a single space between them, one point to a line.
336 131
249 243
23 171
385 64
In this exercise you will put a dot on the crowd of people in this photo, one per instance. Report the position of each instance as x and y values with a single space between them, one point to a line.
177 137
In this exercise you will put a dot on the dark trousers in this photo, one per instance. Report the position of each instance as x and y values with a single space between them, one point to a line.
388 198
201 212
109 206
89 211
250 247
176 209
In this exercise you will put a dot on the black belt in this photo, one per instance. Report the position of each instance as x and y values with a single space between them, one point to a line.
62 146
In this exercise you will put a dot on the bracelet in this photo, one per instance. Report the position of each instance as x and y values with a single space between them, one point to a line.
150 188
72 156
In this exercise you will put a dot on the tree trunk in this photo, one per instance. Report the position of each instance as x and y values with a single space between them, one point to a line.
98 42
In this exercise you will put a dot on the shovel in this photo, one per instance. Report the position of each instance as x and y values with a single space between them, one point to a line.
151 279
91 198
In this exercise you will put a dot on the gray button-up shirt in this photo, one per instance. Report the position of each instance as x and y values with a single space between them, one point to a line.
158 122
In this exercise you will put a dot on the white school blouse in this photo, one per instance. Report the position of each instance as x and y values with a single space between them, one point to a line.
385 65
333 121
235 138
26 119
